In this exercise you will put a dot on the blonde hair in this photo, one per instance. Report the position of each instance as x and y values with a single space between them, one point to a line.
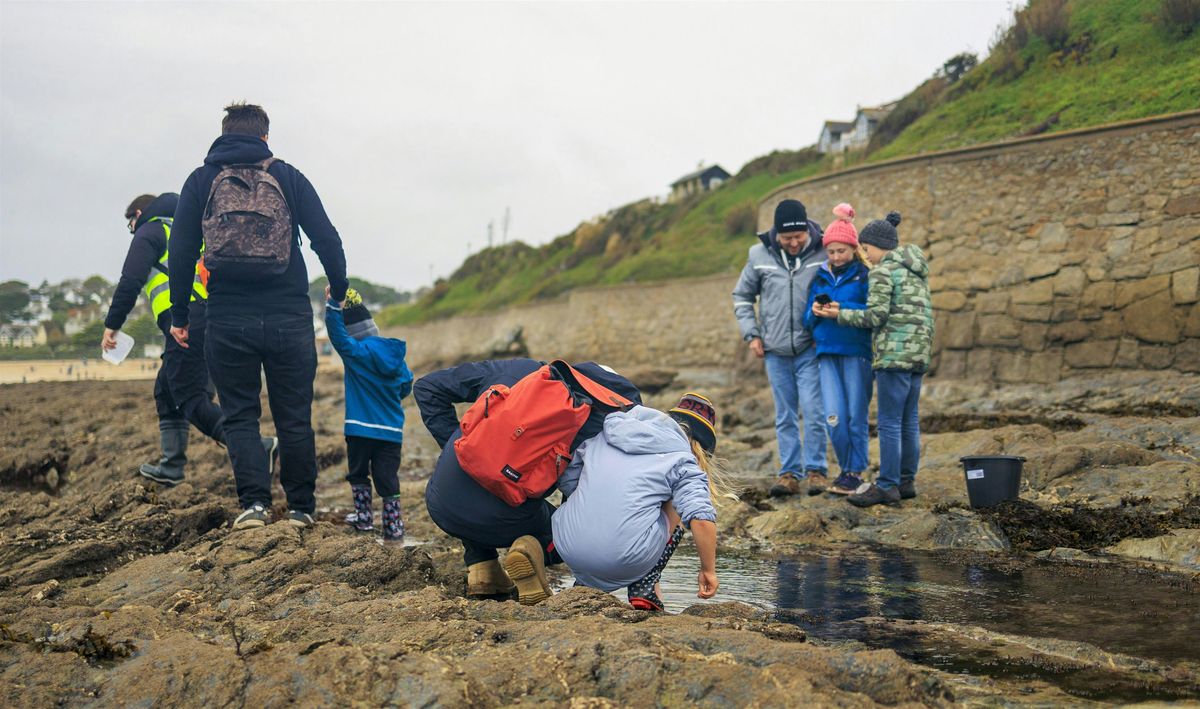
719 486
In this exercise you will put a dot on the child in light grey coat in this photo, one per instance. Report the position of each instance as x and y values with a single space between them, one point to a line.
631 491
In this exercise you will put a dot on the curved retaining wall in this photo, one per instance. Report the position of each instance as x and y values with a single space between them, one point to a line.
1049 255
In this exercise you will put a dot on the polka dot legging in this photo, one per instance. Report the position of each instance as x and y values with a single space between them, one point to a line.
643 588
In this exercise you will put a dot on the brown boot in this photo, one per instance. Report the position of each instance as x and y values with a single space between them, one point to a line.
526 566
788 484
817 482
487 578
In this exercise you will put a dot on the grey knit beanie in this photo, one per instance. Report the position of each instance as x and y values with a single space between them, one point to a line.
882 232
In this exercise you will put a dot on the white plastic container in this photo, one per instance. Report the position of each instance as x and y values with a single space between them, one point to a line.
118 354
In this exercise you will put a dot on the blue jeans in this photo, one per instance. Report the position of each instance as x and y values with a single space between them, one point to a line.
796 387
846 392
899 426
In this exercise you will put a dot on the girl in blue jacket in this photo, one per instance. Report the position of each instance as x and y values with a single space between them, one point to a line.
843 353
377 378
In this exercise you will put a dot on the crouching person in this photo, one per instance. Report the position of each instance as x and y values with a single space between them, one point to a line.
463 508
377 378
632 490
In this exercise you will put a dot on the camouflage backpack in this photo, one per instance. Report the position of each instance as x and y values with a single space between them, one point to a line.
247 225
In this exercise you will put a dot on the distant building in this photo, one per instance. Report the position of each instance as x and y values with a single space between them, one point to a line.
22 335
702 180
839 136
833 135
78 319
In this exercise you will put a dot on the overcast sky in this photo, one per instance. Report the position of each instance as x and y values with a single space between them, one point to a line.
419 123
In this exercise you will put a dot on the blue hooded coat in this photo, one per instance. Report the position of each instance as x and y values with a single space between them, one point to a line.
849 290
377 378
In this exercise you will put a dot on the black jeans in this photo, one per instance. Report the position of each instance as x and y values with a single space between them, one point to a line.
240 349
483 522
182 390
373 459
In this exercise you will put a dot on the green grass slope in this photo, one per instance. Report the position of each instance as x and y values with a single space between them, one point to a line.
1063 64
1114 64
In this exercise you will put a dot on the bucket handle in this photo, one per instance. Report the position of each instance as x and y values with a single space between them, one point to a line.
965 458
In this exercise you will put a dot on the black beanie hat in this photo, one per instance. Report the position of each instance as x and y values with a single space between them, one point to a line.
790 215
882 232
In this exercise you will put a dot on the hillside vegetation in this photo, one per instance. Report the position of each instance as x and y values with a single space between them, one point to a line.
1059 65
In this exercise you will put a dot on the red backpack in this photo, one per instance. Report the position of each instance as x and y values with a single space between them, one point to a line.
517 441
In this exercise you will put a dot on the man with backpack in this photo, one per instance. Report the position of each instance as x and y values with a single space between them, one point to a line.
463 507
181 389
245 209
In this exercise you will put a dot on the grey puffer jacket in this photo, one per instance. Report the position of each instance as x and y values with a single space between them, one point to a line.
781 292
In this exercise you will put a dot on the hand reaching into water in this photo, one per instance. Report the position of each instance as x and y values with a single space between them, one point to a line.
707 584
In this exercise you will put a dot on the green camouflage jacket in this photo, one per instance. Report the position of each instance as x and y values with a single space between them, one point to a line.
898 311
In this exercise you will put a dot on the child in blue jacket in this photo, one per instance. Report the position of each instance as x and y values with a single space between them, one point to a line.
843 353
377 378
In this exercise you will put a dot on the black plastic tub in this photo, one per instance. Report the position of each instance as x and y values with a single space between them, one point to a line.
992 479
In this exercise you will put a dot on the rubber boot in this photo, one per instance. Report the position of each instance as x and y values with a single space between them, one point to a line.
174 438
361 519
393 526
486 579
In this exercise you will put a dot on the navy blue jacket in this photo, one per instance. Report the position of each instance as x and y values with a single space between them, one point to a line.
849 290
377 378
285 293
437 393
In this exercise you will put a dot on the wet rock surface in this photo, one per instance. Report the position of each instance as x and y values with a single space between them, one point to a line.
114 590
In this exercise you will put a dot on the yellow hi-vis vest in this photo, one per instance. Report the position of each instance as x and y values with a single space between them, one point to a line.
158 285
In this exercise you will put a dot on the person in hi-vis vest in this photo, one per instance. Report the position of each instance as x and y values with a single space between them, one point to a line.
182 391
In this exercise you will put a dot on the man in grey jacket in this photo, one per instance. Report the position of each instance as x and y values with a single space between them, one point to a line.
778 274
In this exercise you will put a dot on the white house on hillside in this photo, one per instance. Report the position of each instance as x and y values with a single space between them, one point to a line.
838 136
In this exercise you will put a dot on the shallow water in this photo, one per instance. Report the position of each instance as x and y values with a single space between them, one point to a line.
825 593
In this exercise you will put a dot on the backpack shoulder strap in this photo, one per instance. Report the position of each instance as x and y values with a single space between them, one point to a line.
598 393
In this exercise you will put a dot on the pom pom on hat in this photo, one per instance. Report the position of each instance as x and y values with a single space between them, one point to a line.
842 230
893 218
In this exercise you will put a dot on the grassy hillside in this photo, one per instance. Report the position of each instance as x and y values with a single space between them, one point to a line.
1062 64
1113 62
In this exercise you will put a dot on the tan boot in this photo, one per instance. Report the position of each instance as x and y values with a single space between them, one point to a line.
526 566
487 579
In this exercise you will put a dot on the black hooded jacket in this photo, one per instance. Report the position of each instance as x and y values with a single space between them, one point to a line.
284 293
147 247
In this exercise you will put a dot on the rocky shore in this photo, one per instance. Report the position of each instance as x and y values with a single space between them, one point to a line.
116 591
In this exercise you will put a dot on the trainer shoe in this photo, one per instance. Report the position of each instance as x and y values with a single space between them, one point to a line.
875 495
788 484
846 484
254 516
908 490
300 519
817 482
525 564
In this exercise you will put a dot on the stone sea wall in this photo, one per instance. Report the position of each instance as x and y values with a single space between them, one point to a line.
1049 256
